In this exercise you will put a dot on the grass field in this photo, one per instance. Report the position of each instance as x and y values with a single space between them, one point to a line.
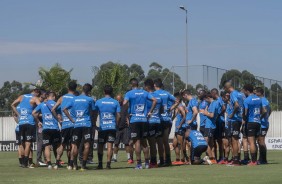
10 172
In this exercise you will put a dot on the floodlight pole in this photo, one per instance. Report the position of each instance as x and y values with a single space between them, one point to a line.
186 11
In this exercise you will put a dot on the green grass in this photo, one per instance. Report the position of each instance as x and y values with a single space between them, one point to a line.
10 172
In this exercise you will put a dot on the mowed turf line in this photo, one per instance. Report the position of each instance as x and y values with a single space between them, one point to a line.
123 173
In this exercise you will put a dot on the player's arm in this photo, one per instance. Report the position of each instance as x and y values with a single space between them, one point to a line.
209 113
15 118
183 114
195 113
14 105
223 109
66 111
263 111
175 105
174 114
35 114
54 110
235 110
154 103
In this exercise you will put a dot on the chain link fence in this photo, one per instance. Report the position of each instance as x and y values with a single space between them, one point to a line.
208 77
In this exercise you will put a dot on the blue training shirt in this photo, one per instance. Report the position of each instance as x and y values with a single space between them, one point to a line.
203 118
82 106
107 107
192 103
68 98
156 116
168 100
197 139
254 104
236 96
49 121
26 110
265 121
138 105
213 108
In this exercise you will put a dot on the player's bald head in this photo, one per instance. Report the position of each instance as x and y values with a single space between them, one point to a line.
227 86
119 98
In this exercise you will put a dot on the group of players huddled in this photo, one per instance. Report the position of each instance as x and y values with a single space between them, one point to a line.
142 120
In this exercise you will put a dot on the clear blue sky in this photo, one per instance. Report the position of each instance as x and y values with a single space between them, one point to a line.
79 34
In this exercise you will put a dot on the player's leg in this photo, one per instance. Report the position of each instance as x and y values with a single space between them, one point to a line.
119 135
100 151
47 147
144 144
87 136
136 135
76 140
176 148
58 146
235 142
161 144
128 147
152 145
262 146
111 136
166 143
252 142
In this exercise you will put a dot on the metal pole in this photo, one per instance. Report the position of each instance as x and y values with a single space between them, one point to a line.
173 87
186 48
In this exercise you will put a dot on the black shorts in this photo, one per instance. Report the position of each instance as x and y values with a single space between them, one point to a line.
244 130
28 133
139 130
154 130
198 151
235 130
263 132
253 129
227 130
165 126
81 134
122 135
67 136
209 132
181 131
106 136
202 130
192 127
219 130
18 138
51 137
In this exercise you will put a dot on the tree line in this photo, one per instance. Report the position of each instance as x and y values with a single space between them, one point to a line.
56 79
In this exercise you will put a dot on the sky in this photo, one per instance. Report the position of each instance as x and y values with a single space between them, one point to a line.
244 35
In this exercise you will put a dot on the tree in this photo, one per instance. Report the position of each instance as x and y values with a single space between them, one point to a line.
9 92
113 74
168 77
55 79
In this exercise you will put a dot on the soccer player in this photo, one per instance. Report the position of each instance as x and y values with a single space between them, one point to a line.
180 130
166 124
18 138
66 124
211 112
235 118
137 99
123 132
219 122
51 131
39 136
203 104
192 108
154 122
264 126
84 107
27 126
252 115
226 140
109 113
198 146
